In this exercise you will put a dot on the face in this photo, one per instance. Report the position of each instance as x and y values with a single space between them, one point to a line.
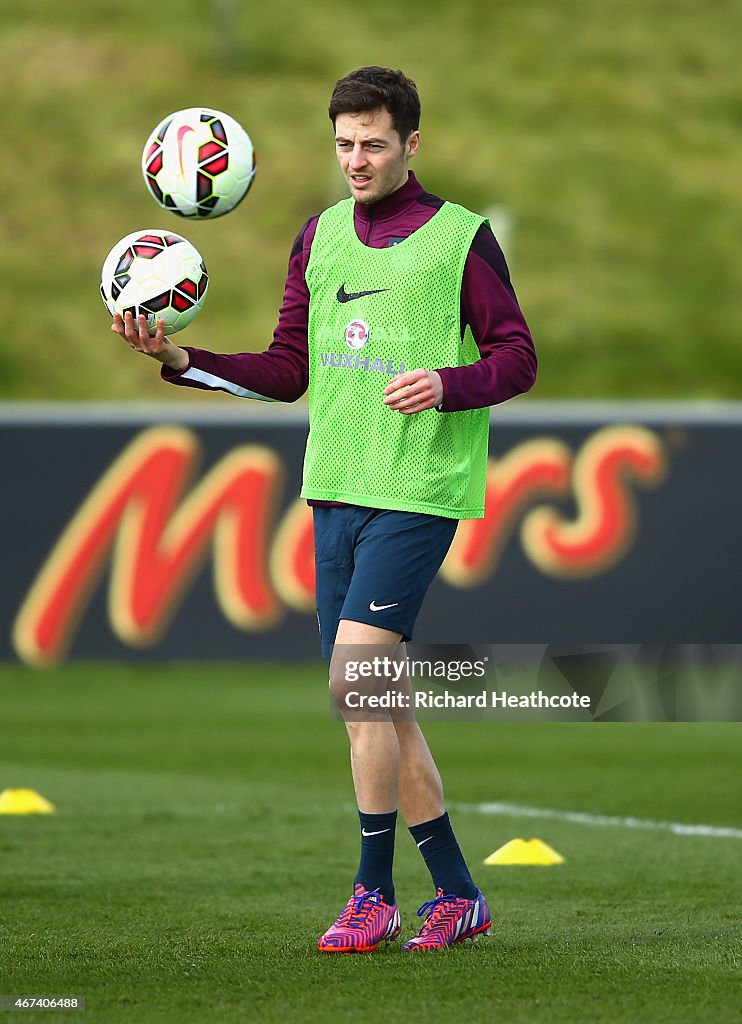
371 154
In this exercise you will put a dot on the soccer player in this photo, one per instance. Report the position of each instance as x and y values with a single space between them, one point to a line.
400 318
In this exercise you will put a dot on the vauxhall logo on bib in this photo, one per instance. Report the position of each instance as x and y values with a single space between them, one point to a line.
357 335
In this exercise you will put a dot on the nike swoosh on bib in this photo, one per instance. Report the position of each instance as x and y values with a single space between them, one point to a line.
343 296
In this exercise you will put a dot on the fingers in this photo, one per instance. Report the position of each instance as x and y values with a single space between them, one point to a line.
126 329
118 325
159 338
406 390
415 391
404 380
136 333
414 398
420 406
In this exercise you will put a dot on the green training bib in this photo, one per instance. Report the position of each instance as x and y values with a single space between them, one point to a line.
373 314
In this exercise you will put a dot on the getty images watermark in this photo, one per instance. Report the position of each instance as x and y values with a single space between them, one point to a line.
538 682
391 671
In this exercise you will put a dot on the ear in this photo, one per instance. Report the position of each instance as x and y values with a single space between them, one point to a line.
413 142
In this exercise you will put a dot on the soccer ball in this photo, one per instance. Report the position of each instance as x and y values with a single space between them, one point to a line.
198 163
157 273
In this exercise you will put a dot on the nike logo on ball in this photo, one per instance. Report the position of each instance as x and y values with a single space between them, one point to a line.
380 607
344 296
182 132
381 832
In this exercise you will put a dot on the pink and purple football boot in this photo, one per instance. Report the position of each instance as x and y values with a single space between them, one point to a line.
365 922
450 920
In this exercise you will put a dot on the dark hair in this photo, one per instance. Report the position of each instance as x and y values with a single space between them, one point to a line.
370 89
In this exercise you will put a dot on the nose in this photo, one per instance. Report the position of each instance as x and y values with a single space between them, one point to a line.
357 157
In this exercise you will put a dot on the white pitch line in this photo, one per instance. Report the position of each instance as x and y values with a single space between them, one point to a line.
581 818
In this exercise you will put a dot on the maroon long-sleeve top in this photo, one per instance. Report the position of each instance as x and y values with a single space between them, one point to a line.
507 364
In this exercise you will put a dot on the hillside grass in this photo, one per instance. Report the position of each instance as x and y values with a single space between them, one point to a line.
609 133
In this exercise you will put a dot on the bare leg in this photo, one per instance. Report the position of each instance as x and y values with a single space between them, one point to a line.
390 758
374 746
420 786
421 802
392 765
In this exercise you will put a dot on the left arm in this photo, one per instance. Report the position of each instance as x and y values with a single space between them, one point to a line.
507 366
507 363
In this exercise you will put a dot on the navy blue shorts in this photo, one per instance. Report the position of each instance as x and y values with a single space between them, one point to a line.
375 566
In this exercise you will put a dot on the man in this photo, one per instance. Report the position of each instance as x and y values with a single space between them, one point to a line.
399 317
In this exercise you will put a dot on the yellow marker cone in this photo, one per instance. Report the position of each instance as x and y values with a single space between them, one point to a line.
24 801
525 851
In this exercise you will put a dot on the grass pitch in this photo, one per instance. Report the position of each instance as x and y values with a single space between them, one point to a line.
205 836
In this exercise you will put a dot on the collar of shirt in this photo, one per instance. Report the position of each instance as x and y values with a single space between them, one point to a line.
390 206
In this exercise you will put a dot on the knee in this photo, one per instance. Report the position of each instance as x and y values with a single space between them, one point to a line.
355 697
339 685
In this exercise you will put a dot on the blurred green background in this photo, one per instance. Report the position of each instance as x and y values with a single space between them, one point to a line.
605 135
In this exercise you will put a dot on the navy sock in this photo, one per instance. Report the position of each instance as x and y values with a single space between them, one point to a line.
437 843
377 853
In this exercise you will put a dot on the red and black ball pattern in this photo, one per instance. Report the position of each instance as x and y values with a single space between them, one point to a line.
145 247
213 159
182 296
154 166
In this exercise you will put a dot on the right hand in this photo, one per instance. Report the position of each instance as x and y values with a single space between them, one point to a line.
137 336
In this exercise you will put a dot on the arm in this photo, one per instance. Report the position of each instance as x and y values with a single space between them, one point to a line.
281 373
507 366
